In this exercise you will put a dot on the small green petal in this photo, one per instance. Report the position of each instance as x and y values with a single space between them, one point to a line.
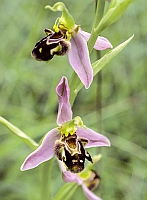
66 19
85 174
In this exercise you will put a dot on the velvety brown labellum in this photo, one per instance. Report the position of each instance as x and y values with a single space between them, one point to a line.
71 151
53 44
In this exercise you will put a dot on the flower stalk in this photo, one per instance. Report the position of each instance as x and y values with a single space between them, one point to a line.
45 177
94 34
66 192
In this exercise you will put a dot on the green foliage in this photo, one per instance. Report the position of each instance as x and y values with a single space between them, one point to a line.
75 83
66 192
29 141
114 11
102 62
28 100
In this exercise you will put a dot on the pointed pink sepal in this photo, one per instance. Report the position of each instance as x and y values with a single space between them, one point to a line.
79 59
94 139
64 108
101 43
43 153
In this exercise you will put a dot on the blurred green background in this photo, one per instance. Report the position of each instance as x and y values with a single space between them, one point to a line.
28 99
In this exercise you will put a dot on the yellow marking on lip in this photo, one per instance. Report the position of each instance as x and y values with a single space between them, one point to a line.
56 49
40 50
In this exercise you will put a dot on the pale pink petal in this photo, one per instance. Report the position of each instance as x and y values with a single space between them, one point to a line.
71 177
94 139
79 59
89 194
101 42
43 153
64 108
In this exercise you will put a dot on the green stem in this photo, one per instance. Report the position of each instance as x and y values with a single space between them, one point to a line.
66 191
100 5
99 97
46 169
99 81
75 86
99 14
94 34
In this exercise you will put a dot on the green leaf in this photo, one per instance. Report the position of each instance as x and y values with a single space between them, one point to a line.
114 11
29 141
99 64
66 191
76 85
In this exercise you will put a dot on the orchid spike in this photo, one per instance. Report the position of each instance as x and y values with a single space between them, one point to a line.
69 140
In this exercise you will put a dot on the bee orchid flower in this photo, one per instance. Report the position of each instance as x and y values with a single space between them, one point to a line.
69 140
69 38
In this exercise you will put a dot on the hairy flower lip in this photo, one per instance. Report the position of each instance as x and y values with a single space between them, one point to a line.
53 44
70 150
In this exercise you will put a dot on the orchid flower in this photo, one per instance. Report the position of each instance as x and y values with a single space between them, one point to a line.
88 179
69 140
69 38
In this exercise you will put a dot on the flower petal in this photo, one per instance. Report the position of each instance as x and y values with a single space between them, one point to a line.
69 176
43 153
64 109
79 59
94 139
89 194
101 42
